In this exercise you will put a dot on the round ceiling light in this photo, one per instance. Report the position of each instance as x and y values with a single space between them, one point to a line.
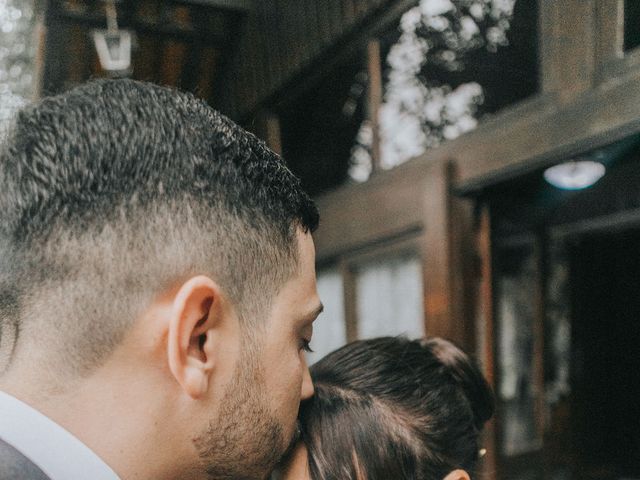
574 175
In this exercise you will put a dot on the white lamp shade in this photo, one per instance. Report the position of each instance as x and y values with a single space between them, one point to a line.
114 49
575 175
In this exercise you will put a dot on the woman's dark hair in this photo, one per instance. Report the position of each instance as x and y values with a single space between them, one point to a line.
393 408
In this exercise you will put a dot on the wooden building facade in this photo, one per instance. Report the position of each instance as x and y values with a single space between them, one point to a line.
465 241
470 213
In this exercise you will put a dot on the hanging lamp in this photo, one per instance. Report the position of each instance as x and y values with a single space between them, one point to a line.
113 45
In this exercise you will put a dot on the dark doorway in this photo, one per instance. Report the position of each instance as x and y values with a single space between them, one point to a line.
566 281
605 403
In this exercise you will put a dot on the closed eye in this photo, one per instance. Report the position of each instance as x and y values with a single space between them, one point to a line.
305 345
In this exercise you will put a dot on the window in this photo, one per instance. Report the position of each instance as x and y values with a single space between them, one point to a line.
441 68
515 320
446 65
389 297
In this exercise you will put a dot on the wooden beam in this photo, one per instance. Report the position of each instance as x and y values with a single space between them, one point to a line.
388 206
539 132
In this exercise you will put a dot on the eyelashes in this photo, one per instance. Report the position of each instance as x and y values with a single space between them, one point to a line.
305 345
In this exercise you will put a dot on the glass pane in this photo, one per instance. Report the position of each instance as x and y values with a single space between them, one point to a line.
515 316
557 341
329 331
17 56
389 298
447 64
631 24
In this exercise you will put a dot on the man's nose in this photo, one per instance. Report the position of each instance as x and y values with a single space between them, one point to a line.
307 384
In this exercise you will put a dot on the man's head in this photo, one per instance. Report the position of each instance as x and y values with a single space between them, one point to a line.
135 219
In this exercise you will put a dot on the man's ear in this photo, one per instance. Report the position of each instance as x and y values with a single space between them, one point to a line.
457 475
195 312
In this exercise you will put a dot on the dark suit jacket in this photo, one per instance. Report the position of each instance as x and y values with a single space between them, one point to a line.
15 466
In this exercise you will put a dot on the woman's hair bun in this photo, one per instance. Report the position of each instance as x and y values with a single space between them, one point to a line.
466 375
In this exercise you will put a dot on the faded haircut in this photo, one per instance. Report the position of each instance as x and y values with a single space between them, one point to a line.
116 190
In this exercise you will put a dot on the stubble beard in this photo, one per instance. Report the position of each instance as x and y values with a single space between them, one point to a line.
245 441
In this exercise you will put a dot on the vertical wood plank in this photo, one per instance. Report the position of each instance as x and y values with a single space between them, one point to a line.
267 127
446 227
374 100
538 337
174 57
435 247
279 47
274 138
77 51
324 29
609 31
40 35
348 13
307 24
350 301
485 334
257 72
295 36
335 19
463 271
264 26
567 46
206 69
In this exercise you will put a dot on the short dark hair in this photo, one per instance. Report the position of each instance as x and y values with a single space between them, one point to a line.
117 188
391 408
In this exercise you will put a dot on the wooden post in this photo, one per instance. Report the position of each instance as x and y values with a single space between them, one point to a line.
567 46
538 337
267 127
485 334
40 34
374 100
446 258
272 128
436 255
350 301
609 31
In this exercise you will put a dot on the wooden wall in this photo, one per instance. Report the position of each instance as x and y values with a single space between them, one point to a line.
283 38
590 97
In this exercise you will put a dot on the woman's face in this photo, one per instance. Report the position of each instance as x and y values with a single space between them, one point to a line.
296 467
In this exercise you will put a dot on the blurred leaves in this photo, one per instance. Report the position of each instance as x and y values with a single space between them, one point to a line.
17 56
419 113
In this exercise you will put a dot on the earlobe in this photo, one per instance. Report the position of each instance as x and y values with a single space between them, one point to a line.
457 475
194 314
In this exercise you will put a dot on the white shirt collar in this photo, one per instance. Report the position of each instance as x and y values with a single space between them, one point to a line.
59 454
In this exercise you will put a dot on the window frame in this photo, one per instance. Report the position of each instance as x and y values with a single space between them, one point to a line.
612 61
